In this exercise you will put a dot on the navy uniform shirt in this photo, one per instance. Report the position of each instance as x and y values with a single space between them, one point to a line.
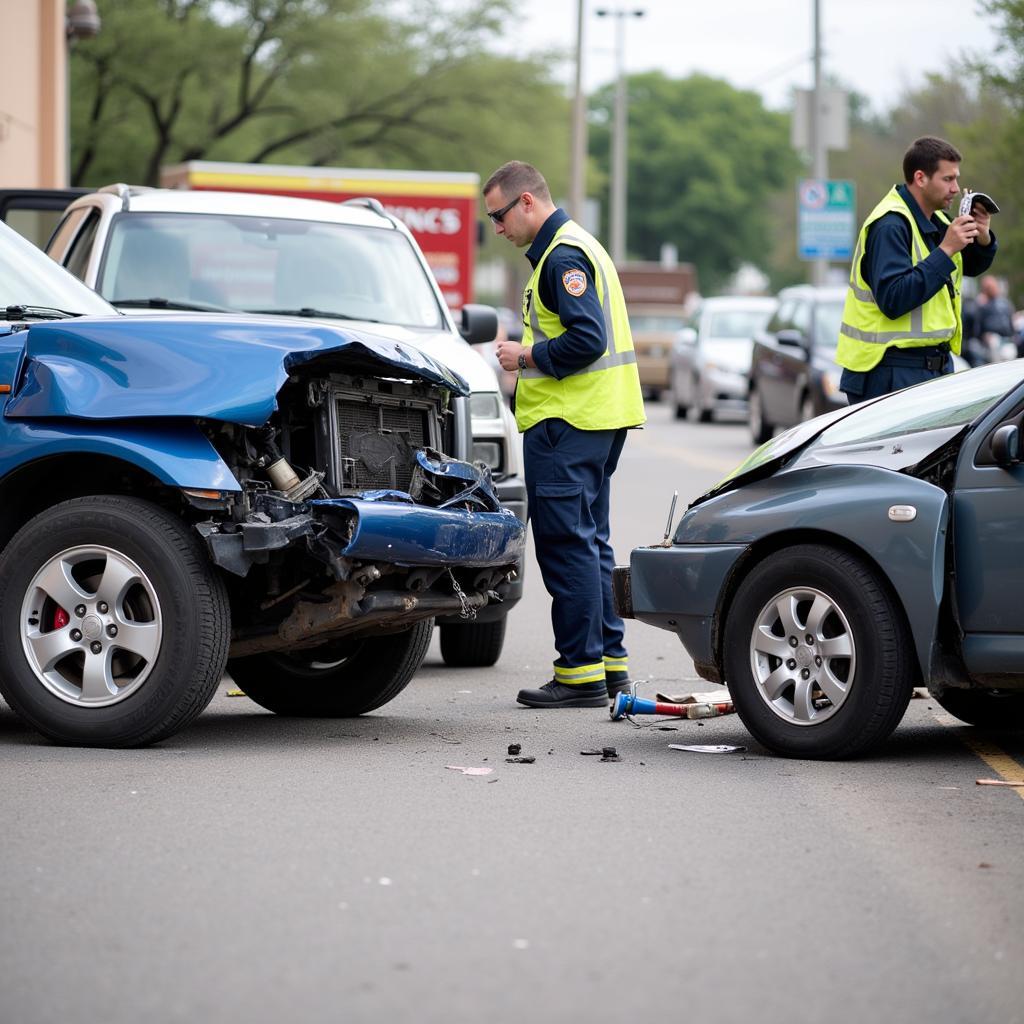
897 285
580 313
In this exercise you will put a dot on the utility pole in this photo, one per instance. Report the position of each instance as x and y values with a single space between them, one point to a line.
619 128
578 156
819 152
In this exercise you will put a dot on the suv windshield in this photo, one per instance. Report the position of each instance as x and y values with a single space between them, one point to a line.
263 264
28 277
950 401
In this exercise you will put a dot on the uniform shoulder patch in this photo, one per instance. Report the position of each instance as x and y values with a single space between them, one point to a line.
575 282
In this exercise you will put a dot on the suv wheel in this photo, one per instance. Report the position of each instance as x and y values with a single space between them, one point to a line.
115 627
818 659
338 680
473 645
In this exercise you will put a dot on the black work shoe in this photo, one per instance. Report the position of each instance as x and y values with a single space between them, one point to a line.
558 695
616 684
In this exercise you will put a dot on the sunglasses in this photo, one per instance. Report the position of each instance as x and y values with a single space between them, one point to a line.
499 215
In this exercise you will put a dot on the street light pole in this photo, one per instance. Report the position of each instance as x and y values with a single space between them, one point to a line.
578 161
819 153
619 129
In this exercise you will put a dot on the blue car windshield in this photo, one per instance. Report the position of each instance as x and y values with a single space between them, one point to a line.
250 264
28 277
951 401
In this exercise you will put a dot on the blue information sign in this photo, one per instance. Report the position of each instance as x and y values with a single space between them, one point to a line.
826 219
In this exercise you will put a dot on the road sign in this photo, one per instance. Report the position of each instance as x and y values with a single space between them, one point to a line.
826 219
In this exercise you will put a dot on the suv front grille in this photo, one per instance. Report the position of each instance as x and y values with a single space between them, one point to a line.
376 443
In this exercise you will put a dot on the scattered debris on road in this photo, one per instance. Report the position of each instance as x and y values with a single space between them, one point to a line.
514 748
997 782
626 705
469 770
707 748
520 760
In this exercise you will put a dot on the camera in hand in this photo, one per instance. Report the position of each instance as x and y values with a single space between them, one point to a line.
972 199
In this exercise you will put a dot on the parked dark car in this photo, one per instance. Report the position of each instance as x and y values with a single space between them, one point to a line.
793 371
869 551
180 492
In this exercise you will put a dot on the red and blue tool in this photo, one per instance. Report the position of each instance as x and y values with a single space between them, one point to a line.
628 704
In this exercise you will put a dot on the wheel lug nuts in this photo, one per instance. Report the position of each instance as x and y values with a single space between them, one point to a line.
791 663
810 639
111 630
792 641
80 611
76 635
95 647
817 661
805 674
102 607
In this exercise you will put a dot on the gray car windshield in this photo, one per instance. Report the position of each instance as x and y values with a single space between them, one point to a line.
950 401
28 277
249 264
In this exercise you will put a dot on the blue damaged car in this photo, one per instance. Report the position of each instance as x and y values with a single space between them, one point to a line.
854 557
182 494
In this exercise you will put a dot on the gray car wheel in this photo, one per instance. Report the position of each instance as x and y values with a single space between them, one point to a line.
114 627
818 658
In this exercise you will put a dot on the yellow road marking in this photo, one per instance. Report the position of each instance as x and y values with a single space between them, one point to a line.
998 760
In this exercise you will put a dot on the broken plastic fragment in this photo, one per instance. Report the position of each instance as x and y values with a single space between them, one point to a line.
520 760
469 770
707 748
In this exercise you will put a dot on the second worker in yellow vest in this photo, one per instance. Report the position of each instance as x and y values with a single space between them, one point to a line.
902 316
577 394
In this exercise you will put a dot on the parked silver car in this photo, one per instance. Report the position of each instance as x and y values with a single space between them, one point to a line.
711 361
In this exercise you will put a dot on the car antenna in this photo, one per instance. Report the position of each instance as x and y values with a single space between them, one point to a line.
665 542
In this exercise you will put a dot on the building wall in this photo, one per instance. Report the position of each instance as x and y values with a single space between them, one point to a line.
33 94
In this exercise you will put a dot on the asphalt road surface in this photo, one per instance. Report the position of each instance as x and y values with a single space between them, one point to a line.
261 869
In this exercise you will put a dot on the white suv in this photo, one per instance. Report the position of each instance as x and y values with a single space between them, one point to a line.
147 249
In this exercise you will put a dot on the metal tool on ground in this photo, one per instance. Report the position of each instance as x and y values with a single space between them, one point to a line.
628 704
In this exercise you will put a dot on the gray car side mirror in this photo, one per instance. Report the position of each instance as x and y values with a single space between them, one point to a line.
1005 445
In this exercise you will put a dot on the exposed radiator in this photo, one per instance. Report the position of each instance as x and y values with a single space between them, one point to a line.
377 442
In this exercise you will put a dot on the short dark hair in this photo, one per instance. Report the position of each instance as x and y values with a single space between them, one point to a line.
515 178
924 155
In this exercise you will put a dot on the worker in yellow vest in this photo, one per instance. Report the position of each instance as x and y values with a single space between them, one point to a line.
902 316
578 391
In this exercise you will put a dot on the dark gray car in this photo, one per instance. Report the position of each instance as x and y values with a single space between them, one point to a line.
856 556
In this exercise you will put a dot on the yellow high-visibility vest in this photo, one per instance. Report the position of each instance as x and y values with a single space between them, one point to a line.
602 396
866 332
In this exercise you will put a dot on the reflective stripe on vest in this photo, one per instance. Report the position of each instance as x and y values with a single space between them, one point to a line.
602 395
866 331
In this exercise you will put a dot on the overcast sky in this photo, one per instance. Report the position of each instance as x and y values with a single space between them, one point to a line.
877 46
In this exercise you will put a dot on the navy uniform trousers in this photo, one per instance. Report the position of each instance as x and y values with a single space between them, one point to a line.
568 484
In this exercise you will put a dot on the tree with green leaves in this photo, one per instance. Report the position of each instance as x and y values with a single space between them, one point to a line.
705 159
319 82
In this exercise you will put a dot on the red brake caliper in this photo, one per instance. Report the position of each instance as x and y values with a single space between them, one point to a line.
60 618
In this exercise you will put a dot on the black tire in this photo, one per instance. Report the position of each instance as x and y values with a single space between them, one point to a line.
153 634
989 709
839 601
473 644
807 409
760 429
339 680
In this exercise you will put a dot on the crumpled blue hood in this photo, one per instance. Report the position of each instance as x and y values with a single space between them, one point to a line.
220 368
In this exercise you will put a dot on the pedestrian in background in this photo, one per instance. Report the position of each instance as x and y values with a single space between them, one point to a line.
902 316
578 391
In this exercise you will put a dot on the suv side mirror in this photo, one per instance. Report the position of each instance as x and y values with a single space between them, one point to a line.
793 338
1005 445
479 323
685 337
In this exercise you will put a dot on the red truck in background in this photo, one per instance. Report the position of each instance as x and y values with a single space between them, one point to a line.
438 207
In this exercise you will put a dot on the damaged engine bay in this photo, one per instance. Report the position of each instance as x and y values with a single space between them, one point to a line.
350 520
